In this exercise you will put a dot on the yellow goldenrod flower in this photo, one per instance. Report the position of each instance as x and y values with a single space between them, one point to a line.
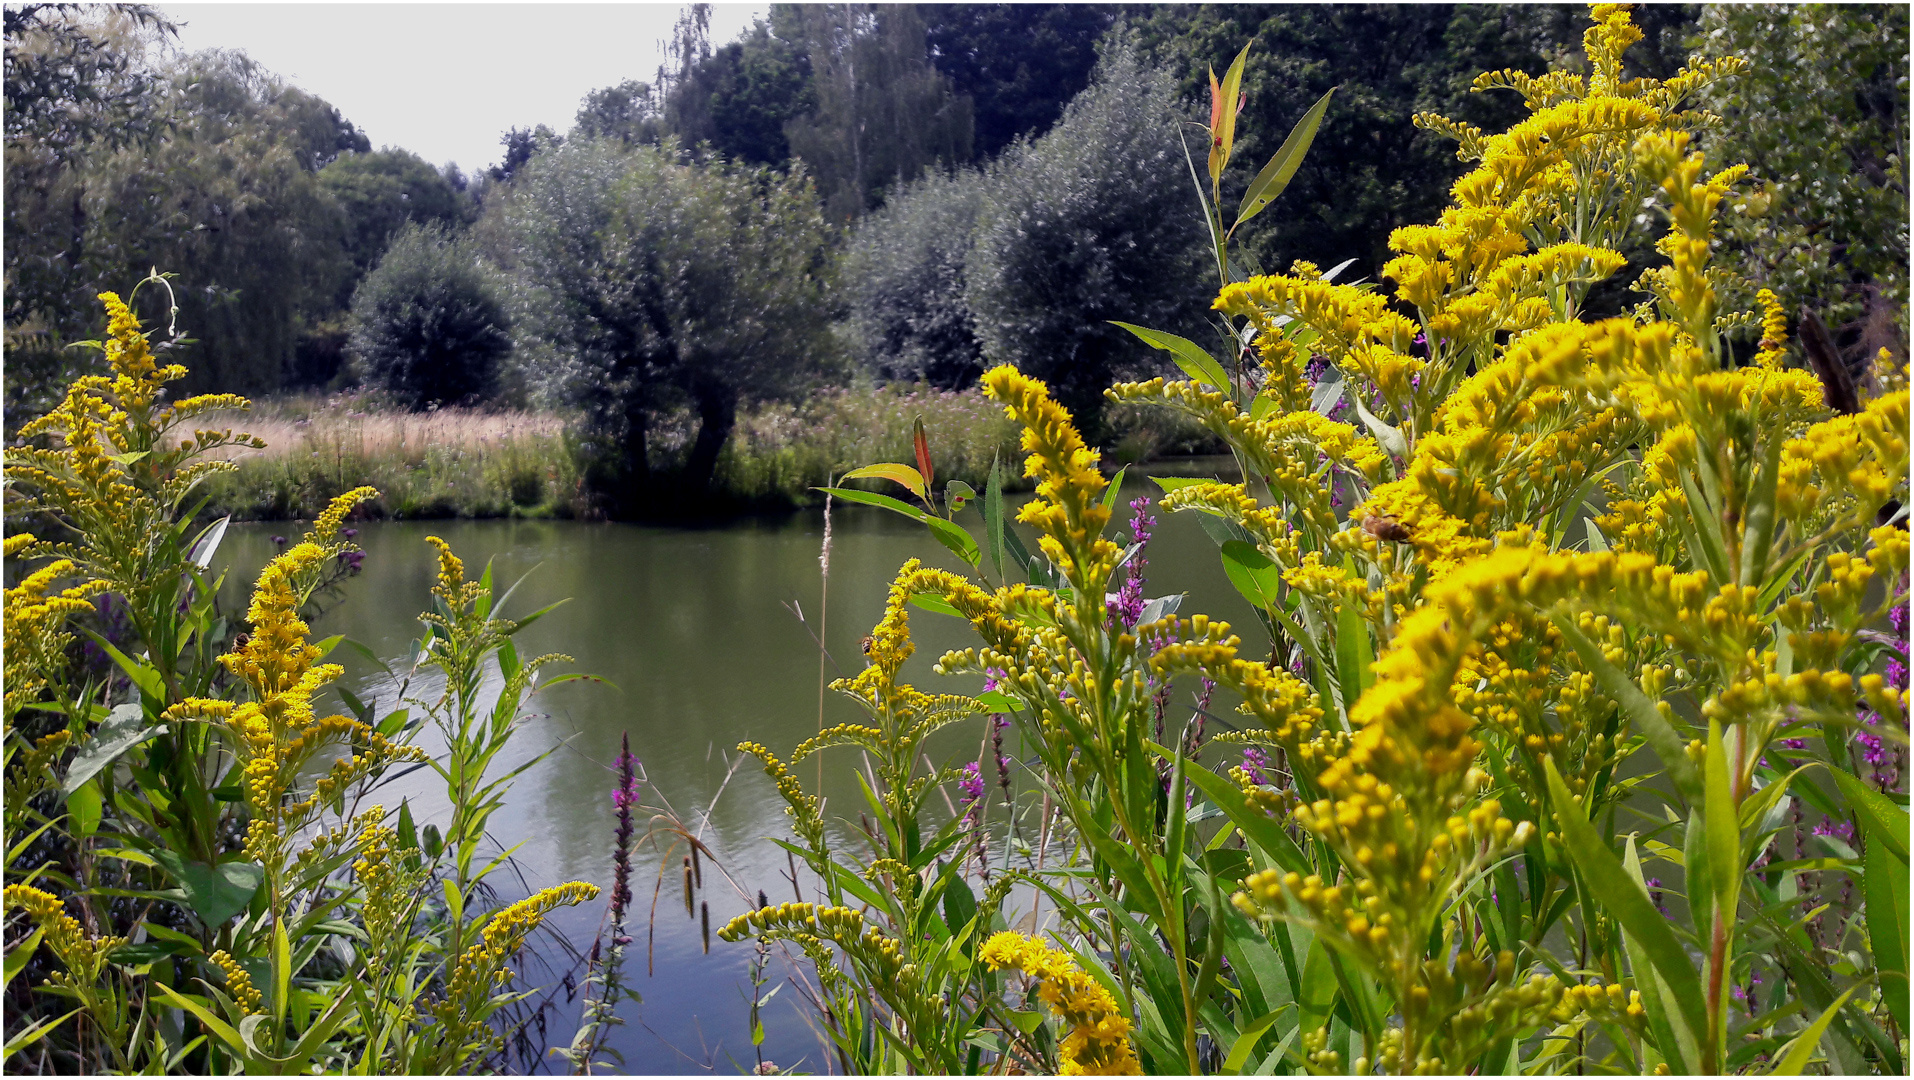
1098 1042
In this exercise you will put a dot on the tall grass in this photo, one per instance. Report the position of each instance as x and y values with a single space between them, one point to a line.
443 463
477 463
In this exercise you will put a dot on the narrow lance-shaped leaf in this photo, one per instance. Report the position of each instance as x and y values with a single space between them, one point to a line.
1276 175
920 444
1189 356
901 474
1627 902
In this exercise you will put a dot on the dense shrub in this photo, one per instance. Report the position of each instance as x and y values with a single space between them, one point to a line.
428 324
1089 223
903 279
643 280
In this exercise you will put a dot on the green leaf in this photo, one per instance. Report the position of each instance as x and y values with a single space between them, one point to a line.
17 957
1253 573
958 495
1191 357
34 1032
994 518
956 538
281 970
934 603
215 894
1258 828
144 675
1882 819
1239 1052
124 728
960 904
1391 439
872 498
1353 654
1328 391
1172 483
1885 890
1802 1047
84 808
1232 87
221 1029
890 470
1110 494
1275 176
1723 826
1627 901
1703 530
208 542
1759 525
1638 708
1677 1047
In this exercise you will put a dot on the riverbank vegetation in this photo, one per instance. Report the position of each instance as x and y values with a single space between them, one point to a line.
1517 782
842 198
1570 734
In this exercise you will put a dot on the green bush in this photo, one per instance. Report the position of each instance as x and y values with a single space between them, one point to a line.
1069 239
428 325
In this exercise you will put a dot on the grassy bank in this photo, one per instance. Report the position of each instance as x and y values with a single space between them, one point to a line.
470 463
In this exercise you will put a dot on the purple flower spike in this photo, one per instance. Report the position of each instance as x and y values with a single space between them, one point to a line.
1254 762
972 784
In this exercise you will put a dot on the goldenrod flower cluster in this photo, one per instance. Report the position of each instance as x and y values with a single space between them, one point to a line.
1098 1042
878 959
117 473
239 984
1068 509
803 808
277 732
481 967
35 623
83 957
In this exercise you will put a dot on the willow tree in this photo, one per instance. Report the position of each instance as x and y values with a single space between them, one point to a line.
644 280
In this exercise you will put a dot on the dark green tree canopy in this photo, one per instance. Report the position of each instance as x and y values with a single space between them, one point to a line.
903 280
883 113
1018 63
1370 169
379 192
427 323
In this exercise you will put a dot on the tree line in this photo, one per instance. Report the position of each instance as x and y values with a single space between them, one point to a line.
846 191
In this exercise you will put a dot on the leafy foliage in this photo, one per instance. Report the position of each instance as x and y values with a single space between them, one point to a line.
641 280
1484 719
904 277
428 324
1821 119
216 812
1064 243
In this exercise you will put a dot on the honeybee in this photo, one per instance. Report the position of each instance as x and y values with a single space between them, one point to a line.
865 645
1383 527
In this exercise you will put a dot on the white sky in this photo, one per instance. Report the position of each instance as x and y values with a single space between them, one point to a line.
445 80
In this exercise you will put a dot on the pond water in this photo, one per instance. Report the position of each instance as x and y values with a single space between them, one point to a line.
698 635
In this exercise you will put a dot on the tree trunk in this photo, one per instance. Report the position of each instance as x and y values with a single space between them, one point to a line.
717 415
631 481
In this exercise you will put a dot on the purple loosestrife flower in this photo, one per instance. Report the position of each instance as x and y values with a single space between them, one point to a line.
624 797
997 725
1127 608
972 783
1254 762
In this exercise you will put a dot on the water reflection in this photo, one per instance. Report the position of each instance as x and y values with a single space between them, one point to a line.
697 635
